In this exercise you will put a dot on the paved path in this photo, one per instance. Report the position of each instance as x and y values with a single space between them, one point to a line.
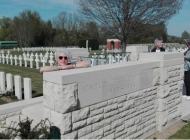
185 107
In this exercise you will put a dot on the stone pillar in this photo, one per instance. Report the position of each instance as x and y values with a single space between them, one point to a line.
169 81
135 50
59 101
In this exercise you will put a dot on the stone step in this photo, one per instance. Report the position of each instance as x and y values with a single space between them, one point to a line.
13 121
34 112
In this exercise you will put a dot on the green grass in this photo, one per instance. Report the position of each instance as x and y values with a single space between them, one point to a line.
25 72
184 133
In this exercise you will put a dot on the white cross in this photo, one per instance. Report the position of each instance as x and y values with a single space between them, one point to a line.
41 56
28 55
15 58
24 54
51 60
25 60
43 61
11 59
31 61
37 62
3 57
8 52
7 58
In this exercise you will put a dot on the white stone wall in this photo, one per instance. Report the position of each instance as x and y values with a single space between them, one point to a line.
148 102
169 96
128 116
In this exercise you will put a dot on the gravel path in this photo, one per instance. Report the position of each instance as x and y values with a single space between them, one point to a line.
168 132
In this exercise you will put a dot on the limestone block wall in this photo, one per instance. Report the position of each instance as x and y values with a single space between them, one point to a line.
169 96
128 116
169 81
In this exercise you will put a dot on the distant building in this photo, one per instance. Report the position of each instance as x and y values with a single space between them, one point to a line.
113 44
8 44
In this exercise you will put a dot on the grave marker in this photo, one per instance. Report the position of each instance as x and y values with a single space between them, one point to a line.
9 79
11 59
25 60
2 82
37 62
20 60
15 58
18 86
7 58
3 57
27 88
31 61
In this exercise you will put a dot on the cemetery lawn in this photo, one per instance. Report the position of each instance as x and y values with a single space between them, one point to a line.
184 133
33 74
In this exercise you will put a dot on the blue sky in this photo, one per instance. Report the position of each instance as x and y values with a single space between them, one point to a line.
48 9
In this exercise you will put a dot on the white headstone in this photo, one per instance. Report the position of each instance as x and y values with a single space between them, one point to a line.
20 60
94 59
18 86
118 58
110 59
9 79
2 82
27 88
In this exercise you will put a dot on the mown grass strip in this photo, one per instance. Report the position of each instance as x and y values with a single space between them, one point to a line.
25 72
184 133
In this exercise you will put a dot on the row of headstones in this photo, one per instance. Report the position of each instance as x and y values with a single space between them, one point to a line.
8 59
37 49
170 47
103 59
8 81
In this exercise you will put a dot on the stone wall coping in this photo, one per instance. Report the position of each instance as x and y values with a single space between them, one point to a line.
17 106
101 71
137 49
161 56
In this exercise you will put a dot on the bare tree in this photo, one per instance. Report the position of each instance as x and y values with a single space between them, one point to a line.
123 17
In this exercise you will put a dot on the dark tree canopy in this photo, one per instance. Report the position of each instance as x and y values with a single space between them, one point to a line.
185 35
125 17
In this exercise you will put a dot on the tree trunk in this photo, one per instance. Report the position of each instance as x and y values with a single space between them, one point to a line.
123 45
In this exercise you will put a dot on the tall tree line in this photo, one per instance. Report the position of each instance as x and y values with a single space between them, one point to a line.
67 29
64 30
